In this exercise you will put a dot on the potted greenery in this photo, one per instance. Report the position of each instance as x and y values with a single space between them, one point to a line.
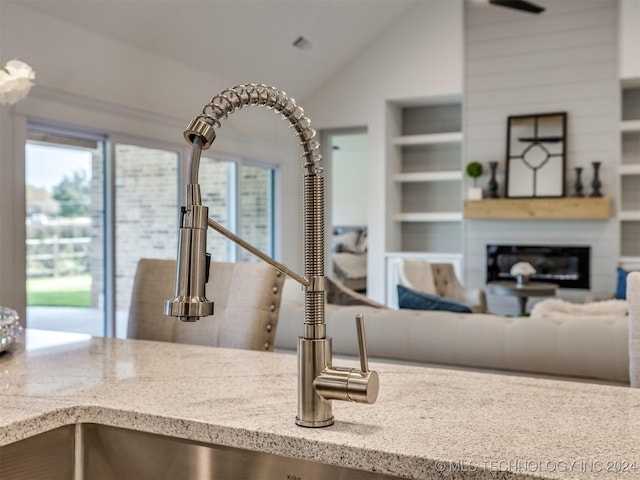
474 170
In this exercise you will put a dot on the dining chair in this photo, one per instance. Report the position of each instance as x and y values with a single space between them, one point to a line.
246 300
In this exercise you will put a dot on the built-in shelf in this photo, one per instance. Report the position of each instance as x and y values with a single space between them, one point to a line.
428 217
631 263
629 169
538 208
428 138
428 176
632 215
630 126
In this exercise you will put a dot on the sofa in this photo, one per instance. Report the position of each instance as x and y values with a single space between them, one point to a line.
576 347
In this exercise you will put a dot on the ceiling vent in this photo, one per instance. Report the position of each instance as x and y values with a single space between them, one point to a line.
302 42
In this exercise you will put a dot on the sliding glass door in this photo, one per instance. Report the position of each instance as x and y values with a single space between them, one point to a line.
218 184
146 206
65 231
240 196
256 209
96 206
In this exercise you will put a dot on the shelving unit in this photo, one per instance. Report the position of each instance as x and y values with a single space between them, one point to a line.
428 217
425 177
428 176
428 138
629 213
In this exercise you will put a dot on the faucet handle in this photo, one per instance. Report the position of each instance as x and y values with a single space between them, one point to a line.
362 343
339 383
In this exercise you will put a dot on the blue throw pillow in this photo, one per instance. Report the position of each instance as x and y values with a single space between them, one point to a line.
411 299
621 287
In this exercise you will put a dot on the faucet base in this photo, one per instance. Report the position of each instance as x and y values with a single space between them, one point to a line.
311 424
314 355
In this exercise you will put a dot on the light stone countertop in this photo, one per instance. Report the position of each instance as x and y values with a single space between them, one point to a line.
426 422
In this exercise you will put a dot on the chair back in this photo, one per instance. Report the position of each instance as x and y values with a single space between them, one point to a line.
246 297
445 280
417 275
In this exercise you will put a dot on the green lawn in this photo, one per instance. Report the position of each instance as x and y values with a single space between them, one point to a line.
69 291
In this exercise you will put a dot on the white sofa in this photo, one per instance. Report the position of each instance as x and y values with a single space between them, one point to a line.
577 347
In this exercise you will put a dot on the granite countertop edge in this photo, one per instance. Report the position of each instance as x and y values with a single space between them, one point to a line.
372 460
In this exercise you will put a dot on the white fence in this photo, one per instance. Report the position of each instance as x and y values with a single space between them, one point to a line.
57 256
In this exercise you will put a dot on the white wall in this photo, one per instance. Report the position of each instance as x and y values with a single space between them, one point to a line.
562 60
629 39
92 82
420 56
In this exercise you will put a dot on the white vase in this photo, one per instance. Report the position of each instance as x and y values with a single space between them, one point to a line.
474 193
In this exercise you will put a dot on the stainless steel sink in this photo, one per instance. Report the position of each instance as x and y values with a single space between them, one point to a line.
95 452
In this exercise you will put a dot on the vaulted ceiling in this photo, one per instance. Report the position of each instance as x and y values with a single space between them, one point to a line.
239 40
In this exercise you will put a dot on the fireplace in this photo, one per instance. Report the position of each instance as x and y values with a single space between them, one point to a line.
566 266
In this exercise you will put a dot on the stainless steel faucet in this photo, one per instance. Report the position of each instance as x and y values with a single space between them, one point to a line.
319 381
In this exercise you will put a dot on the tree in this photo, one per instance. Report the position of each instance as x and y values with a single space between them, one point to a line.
73 194
39 200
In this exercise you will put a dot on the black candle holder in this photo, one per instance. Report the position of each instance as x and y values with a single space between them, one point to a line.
578 187
493 183
596 184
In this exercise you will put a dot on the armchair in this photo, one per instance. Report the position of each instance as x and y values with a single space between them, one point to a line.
440 279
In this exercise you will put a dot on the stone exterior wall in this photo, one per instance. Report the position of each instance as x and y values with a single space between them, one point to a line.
216 182
147 197
146 211
217 179
255 206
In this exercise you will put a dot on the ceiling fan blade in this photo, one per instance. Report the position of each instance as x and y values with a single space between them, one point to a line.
519 5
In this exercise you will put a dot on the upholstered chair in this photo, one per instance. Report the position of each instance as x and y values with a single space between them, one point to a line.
246 297
440 279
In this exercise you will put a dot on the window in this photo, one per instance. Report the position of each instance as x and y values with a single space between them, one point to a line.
145 215
65 232
240 197
91 217
256 209
218 186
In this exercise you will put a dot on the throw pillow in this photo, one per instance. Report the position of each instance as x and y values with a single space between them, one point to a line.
621 287
414 300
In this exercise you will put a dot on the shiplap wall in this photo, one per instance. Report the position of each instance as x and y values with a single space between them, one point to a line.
562 60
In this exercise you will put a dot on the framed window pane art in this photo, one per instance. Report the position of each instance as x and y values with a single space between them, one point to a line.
536 148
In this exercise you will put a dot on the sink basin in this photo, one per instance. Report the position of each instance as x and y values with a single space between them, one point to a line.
96 452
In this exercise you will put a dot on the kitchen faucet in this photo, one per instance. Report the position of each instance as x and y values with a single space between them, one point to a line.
319 381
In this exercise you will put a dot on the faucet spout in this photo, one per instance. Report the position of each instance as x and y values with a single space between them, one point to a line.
318 381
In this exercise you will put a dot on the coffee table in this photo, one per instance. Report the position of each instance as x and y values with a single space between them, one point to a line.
523 292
